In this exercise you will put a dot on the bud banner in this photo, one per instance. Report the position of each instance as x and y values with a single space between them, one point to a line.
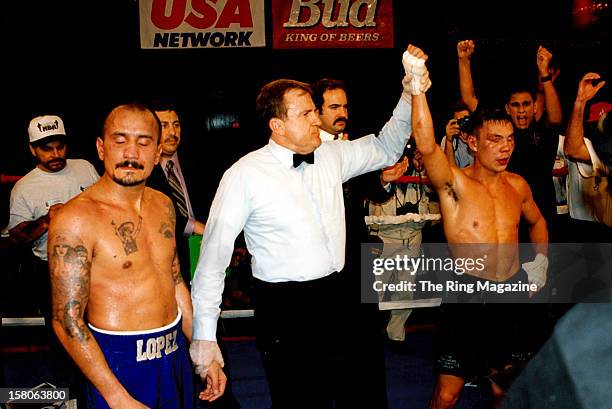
332 23
168 24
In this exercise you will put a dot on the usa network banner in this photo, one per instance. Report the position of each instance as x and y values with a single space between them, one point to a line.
332 23
168 24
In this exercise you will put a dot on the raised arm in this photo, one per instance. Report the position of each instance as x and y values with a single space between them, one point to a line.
551 99
540 102
465 49
436 164
574 145
438 168
70 254
372 152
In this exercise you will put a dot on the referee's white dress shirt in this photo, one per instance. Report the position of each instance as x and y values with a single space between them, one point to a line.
293 218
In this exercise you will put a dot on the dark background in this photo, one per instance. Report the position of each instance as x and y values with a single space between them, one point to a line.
78 59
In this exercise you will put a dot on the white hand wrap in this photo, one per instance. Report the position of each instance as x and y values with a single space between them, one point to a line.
417 79
203 353
536 270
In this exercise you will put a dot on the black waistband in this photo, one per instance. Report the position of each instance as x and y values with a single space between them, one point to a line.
298 285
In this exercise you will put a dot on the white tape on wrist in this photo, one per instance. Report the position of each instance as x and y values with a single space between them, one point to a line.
536 270
417 72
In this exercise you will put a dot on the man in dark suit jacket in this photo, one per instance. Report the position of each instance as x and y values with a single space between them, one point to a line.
171 177
176 186
362 320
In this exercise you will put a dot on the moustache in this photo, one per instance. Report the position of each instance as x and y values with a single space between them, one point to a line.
131 163
56 161
341 119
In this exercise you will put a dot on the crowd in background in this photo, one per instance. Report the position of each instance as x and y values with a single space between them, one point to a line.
562 151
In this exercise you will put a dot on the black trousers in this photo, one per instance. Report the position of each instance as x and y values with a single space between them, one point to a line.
307 334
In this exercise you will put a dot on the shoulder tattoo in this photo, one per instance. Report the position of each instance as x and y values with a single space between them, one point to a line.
168 226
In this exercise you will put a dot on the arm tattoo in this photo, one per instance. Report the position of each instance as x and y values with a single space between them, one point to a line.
73 322
70 279
176 269
450 191
127 233
167 227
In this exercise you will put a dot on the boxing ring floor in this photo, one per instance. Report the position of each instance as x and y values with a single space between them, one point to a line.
410 381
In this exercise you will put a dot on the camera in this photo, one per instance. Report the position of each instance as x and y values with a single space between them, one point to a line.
407 208
465 124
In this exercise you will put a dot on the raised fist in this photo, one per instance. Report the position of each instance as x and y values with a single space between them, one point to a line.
417 79
586 88
465 48
543 58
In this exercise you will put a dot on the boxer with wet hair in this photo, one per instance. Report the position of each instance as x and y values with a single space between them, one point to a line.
481 204
120 306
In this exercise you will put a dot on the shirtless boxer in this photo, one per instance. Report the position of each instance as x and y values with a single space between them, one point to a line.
480 204
112 254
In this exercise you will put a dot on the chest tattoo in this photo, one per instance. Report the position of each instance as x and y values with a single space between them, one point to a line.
127 233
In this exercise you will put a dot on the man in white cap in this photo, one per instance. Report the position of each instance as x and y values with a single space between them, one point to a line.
36 196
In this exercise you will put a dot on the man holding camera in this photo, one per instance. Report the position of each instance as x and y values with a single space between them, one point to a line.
457 131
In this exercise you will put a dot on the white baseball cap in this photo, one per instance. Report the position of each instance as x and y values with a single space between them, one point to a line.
45 126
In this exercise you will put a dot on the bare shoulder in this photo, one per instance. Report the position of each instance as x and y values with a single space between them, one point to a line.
79 212
462 176
158 201
518 183
156 197
462 173
161 208
73 231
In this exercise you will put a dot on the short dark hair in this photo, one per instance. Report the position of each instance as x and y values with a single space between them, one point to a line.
459 106
162 105
134 106
521 86
322 85
270 100
488 115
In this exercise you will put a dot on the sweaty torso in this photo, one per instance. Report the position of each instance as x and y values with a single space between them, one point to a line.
482 221
132 286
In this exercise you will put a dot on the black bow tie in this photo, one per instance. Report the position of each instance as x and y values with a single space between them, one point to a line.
298 158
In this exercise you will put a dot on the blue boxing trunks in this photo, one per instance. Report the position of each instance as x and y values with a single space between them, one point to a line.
152 365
